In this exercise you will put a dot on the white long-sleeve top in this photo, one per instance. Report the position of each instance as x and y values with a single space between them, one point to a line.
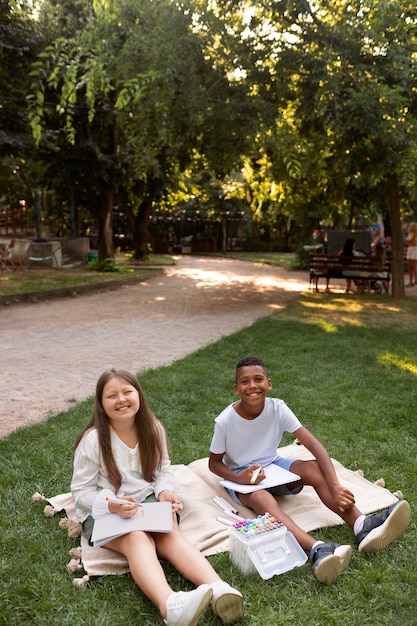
89 477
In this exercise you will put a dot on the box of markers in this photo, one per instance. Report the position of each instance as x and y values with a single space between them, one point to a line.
265 546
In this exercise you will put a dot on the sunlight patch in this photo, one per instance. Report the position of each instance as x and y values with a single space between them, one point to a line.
328 328
335 305
404 364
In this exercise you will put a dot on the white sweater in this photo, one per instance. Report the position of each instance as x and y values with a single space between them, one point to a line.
89 475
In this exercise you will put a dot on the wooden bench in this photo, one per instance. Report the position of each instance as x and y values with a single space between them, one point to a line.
364 271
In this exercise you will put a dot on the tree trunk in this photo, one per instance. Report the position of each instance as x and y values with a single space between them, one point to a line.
105 218
224 235
397 268
105 227
140 221
141 229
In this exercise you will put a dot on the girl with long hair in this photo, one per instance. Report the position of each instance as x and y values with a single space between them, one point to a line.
124 449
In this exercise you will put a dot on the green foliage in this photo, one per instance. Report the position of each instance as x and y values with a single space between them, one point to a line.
106 265
346 107
309 108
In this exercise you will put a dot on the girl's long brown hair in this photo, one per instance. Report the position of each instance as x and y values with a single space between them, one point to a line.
151 433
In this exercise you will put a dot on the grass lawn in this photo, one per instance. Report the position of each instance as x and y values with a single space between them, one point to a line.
288 260
35 278
347 368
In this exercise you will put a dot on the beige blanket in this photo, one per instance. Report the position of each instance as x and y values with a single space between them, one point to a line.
196 488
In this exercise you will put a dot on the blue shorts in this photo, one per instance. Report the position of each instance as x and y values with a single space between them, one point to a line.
279 490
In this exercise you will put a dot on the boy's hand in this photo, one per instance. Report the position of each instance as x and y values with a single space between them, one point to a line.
253 475
343 497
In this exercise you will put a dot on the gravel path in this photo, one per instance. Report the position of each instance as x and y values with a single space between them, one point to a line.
53 352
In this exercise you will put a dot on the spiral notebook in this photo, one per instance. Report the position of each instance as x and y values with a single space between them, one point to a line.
151 516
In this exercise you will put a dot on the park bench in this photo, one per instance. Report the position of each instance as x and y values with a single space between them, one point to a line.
364 271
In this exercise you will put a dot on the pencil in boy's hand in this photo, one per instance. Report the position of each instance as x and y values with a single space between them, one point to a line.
255 475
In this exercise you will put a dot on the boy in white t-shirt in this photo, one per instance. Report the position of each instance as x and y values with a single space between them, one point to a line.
246 436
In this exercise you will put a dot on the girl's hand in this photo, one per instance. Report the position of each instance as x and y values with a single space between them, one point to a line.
170 496
124 510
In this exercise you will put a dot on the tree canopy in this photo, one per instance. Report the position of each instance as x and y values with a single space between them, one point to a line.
300 113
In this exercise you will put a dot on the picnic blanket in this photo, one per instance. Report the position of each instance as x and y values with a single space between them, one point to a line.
196 488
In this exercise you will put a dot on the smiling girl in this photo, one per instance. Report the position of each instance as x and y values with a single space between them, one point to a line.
124 449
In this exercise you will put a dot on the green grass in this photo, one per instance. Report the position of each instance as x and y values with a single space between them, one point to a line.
34 278
287 260
347 367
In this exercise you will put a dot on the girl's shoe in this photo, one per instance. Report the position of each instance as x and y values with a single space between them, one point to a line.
226 602
184 608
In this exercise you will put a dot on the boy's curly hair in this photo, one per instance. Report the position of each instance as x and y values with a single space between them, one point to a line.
250 360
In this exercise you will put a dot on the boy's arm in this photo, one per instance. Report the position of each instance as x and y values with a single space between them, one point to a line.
343 496
217 466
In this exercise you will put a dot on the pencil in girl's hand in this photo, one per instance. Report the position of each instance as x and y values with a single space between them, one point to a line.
118 500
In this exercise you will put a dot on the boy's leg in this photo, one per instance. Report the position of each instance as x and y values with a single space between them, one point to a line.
262 502
329 560
312 476
378 530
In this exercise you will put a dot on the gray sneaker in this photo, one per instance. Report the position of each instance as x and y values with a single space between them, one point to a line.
329 560
381 529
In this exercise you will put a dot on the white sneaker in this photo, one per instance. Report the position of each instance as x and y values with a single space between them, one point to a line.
184 608
226 602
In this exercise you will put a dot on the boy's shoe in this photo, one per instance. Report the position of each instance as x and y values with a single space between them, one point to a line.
184 608
329 560
226 602
381 529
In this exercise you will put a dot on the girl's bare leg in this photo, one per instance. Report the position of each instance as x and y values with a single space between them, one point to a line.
185 557
140 550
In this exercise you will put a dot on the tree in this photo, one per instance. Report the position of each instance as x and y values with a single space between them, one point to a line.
135 90
341 76
19 42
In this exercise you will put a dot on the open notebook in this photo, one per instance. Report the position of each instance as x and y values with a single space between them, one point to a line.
151 516
274 476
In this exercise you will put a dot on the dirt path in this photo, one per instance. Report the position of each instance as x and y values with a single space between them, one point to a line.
53 352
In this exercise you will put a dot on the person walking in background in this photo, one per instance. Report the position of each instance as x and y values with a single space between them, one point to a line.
124 449
245 440
410 243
